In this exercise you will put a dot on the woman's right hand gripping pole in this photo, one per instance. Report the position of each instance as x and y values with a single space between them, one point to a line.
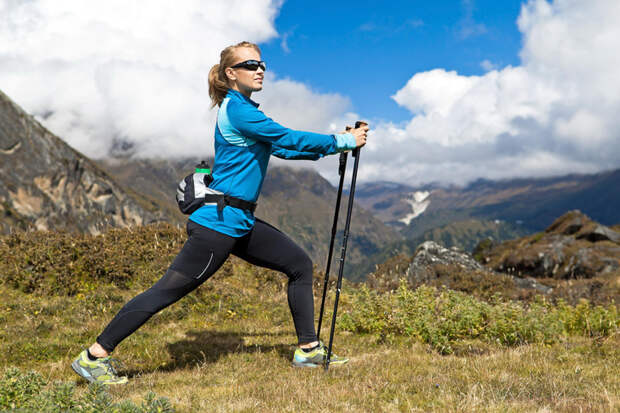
360 133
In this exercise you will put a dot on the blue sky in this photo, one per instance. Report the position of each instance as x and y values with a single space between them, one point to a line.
367 50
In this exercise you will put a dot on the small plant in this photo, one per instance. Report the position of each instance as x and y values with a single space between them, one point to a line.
29 392
17 389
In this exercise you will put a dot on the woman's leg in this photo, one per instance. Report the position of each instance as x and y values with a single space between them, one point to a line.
267 247
202 254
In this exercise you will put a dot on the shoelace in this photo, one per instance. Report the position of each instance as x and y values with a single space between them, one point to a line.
111 364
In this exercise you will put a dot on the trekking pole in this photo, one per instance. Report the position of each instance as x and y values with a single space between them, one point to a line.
343 253
341 170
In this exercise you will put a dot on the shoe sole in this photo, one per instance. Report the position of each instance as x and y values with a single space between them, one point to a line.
306 365
314 365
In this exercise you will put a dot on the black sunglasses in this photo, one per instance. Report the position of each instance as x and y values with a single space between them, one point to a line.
251 65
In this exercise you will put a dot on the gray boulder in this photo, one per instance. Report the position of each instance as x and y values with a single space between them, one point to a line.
430 253
601 233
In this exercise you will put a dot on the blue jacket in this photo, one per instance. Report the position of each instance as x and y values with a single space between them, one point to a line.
244 140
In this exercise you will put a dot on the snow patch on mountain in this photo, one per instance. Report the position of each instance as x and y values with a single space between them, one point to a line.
419 201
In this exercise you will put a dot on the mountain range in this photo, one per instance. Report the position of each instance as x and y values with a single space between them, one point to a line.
47 185
531 203
502 210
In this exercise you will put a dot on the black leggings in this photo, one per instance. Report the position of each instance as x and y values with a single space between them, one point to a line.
201 256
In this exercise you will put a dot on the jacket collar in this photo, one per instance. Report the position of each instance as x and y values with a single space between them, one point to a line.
232 92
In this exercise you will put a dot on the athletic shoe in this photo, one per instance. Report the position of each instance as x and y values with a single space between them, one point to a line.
97 371
316 357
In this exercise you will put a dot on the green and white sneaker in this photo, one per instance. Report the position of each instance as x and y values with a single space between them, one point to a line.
316 357
98 371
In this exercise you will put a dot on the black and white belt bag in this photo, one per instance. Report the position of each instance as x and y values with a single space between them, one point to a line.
193 192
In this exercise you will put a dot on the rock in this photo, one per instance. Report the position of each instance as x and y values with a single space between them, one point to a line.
573 226
430 253
600 233
530 283
569 249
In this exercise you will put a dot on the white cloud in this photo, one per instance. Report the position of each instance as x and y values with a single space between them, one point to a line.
467 27
116 76
114 73
554 113
284 37
296 106
487 65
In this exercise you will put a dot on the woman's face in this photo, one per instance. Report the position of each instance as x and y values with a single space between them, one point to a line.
244 80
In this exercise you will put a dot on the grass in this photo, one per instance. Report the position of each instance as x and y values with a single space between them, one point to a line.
227 346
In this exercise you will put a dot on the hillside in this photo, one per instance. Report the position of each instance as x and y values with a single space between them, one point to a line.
155 180
501 210
298 201
45 184
575 255
466 234
574 258
227 346
531 203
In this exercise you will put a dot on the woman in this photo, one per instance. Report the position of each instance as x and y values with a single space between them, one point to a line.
244 140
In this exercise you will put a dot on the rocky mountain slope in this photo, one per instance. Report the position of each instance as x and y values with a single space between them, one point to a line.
155 180
575 255
45 184
573 258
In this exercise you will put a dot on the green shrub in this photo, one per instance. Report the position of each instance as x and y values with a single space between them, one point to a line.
441 317
29 392
67 264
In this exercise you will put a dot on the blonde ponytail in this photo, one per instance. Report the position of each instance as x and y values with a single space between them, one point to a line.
218 86
218 82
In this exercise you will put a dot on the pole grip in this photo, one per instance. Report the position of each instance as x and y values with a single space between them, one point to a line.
359 123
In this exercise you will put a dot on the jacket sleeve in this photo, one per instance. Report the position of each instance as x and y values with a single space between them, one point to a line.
252 123
290 154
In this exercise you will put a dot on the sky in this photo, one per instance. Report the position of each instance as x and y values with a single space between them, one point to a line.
453 90
386 42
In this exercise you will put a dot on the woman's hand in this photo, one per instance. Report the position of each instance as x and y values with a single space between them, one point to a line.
360 134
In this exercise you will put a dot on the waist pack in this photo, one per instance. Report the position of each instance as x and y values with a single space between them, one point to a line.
193 192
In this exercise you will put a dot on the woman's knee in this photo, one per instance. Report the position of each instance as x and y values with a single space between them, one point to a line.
302 269
150 301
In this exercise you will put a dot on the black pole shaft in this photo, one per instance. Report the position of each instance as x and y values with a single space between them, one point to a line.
356 155
341 170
